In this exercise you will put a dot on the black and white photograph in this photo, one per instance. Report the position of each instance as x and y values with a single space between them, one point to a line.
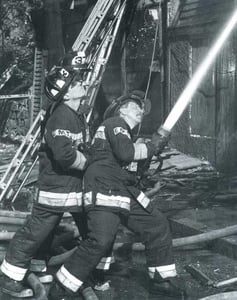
118 149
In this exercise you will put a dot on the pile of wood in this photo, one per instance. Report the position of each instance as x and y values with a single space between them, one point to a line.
183 172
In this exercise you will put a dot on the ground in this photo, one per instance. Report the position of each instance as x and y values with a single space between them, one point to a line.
195 199
134 284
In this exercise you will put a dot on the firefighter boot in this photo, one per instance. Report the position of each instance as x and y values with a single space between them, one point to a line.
14 288
88 293
170 287
58 292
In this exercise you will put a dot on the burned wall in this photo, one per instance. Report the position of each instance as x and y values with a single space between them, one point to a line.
226 106
207 128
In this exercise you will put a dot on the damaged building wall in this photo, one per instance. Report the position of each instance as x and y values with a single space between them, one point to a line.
226 87
207 129
194 133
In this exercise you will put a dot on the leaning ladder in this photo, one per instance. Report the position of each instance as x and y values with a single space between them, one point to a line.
37 87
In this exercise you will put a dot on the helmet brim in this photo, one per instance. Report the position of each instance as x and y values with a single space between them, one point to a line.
113 108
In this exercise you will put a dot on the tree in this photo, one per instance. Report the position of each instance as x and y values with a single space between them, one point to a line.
16 44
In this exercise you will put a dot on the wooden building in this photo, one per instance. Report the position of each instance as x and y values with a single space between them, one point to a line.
208 128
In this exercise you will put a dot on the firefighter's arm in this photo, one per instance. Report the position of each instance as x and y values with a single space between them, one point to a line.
83 155
155 146
63 153
66 155
143 150
125 149
120 142
80 161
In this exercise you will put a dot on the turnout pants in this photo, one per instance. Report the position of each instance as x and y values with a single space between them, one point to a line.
152 227
39 227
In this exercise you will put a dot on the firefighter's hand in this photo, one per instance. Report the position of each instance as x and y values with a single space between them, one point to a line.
159 141
84 148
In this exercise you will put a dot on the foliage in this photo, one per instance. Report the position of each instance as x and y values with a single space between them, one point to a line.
141 39
17 41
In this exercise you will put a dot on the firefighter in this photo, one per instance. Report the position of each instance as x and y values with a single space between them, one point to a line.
111 199
61 167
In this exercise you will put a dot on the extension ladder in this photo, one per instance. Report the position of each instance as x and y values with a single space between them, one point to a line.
37 87
96 39
22 163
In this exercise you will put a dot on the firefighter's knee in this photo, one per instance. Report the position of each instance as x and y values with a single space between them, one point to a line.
159 231
102 242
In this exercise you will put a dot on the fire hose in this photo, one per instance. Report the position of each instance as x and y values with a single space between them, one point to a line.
178 242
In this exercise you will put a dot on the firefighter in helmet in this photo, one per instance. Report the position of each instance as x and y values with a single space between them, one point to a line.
61 168
111 198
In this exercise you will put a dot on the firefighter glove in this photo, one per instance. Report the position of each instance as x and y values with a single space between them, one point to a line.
159 142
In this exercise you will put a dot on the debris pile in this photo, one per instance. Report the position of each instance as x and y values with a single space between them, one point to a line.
184 181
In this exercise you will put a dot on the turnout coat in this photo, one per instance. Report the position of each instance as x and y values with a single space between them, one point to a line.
108 183
59 185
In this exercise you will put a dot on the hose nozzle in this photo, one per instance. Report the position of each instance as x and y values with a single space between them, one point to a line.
163 132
